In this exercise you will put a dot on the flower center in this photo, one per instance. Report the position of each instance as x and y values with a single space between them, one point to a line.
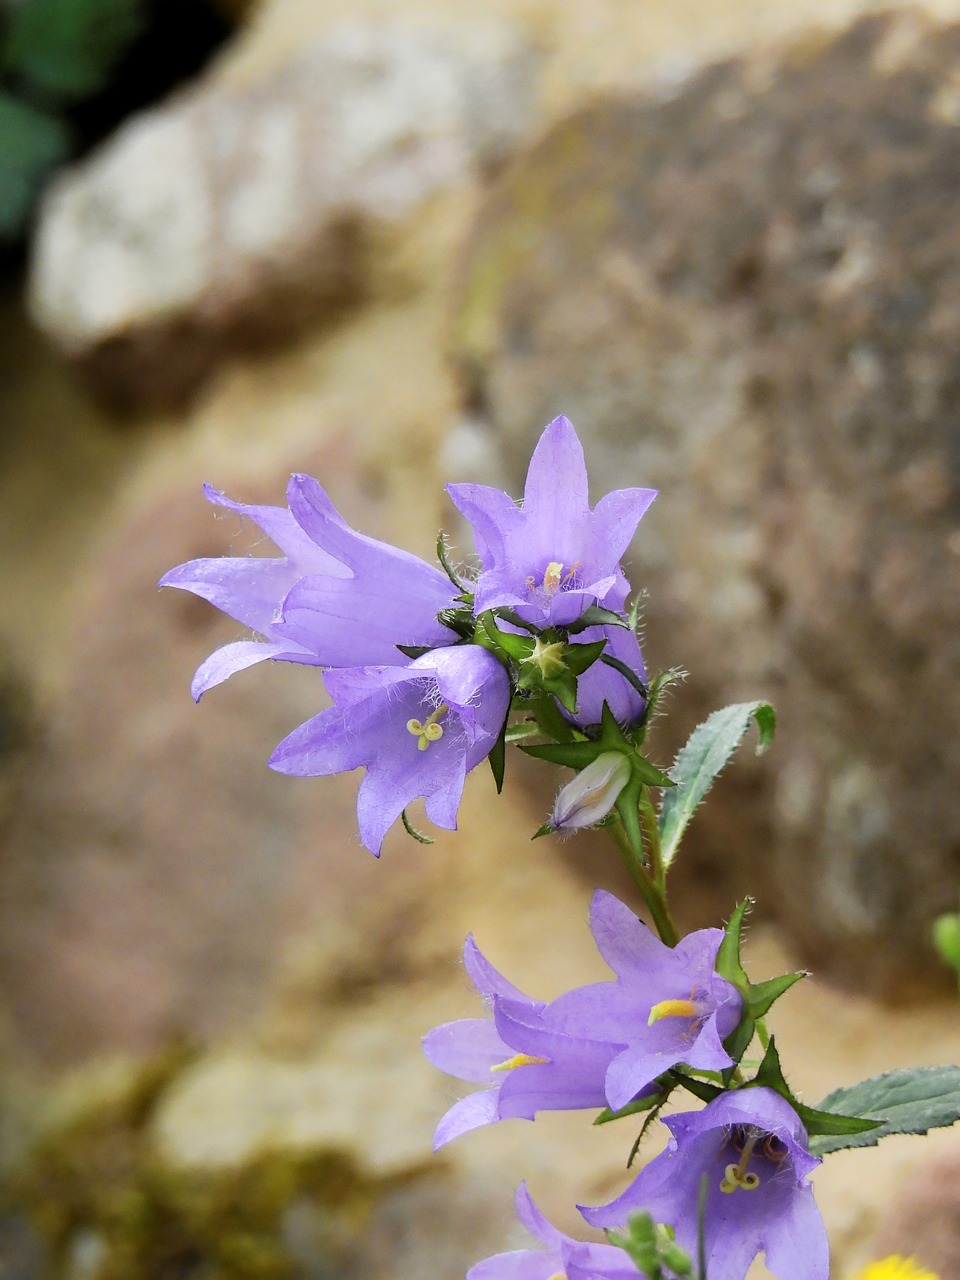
429 730
750 1143
735 1176
554 579
520 1060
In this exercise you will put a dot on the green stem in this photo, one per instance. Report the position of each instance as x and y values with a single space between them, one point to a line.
651 830
652 893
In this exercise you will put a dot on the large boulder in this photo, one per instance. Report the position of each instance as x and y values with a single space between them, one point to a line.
248 205
748 295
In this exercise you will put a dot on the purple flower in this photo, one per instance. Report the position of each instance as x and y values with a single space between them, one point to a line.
666 1006
752 1147
601 683
418 730
531 1064
334 598
562 1257
552 557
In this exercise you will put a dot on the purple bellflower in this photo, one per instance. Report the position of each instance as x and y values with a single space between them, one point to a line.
601 683
562 1259
753 1149
334 598
530 1063
666 1006
418 730
552 557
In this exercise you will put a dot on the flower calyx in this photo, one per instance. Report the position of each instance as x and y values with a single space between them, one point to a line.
541 662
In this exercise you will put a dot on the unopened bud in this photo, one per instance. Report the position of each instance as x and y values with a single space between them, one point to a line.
590 796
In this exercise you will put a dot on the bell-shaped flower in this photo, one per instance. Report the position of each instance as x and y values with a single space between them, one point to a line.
334 598
602 683
561 1256
551 557
667 1005
417 730
529 1064
752 1147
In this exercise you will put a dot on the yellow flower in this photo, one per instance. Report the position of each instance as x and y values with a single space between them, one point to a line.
895 1268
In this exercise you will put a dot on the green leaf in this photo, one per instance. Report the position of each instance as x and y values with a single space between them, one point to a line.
909 1100
32 142
762 994
66 49
707 750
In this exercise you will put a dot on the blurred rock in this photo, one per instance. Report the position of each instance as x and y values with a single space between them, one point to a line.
923 1218
748 295
241 209
163 872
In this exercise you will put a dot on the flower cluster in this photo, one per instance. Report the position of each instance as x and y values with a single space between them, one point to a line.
420 690
431 671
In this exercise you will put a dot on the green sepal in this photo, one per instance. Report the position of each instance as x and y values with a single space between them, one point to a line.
412 831
413 650
634 1108
526 729
596 616
498 755
443 557
628 674
545 830
575 755
757 996
728 964
701 1089
763 994
511 616
816 1122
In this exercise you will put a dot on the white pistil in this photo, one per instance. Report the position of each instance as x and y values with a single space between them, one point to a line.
430 730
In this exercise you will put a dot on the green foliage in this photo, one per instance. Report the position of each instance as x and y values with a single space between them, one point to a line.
911 1100
53 55
707 750
651 1248
66 49
31 143
946 939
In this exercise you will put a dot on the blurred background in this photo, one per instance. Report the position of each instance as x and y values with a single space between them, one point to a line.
385 243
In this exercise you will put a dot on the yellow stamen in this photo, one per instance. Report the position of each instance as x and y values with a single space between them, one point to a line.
553 577
672 1009
520 1060
735 1176
429 731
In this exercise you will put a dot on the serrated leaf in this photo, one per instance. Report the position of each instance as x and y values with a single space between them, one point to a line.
707 750
910 1100
31 143
66 49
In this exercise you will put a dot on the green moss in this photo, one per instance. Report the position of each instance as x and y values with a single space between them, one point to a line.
95 1182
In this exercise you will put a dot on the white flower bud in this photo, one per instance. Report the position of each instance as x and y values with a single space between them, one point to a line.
590 796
